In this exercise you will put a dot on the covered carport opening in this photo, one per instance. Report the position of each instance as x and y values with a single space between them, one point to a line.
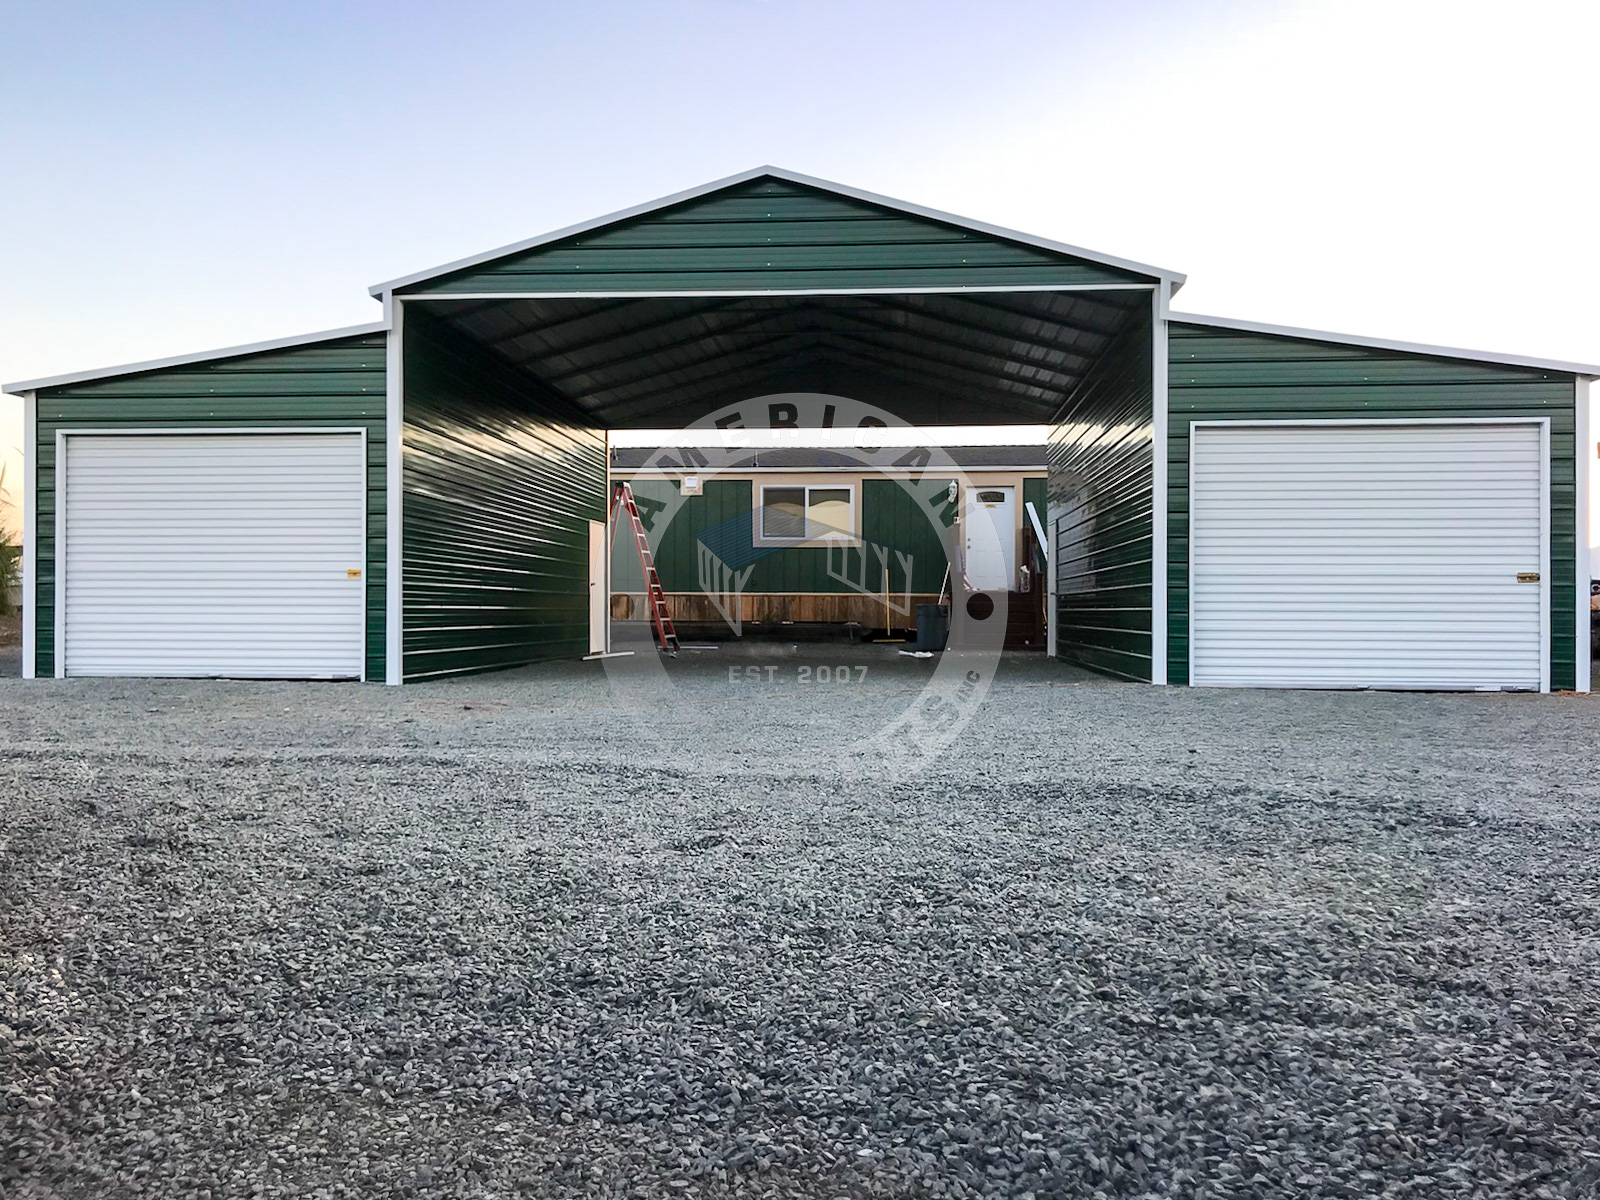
524 491
513 373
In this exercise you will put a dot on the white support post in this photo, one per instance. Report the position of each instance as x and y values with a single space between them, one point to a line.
30 534
1583 456
393 528
609 513
1050 570
1158 484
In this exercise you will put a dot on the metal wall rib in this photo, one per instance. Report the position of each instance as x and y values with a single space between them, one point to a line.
499 492
1101 505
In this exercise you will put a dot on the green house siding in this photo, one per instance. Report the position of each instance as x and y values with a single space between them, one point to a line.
338 383
499 490
773 234
1220 374
722 519
1101 491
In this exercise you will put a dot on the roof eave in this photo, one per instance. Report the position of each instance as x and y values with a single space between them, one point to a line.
1582 370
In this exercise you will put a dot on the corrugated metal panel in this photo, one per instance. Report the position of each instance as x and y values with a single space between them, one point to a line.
773 234
499 492
1366 556
187 555
1218 374
335 383
1101 503
657 361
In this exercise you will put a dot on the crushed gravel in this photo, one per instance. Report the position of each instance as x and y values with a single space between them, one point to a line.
485 938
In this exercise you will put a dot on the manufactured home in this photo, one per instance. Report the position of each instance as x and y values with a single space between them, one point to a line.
817 537
1227 502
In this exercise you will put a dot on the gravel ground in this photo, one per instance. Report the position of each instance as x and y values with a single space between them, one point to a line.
487 938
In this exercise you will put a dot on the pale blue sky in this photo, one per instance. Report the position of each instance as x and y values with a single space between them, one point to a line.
180 176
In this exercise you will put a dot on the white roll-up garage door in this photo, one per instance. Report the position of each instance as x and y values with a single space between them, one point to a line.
233 555
1369 555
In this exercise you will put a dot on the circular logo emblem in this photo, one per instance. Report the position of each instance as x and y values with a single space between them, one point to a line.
720 553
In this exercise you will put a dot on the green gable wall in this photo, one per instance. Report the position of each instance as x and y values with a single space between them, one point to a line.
499 490
1102 496
769 233
1220 374
337 383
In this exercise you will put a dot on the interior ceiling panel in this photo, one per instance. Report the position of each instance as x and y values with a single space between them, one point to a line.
945 358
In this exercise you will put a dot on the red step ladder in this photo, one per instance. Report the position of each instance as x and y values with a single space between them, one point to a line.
660 618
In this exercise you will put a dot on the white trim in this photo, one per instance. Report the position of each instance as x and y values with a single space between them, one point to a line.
1050 596
204 431
1034 471
1544 555
1587 370
606 434
1188 612
1159 632
1274 421
394 669
734 294
59 573
30 533
1544 506
1172 278
156 364
1584 457
366 542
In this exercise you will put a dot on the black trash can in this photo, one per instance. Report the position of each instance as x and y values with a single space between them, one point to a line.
933 627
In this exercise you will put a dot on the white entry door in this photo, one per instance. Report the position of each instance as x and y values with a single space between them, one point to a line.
599 592
991 538
236 555
1382 555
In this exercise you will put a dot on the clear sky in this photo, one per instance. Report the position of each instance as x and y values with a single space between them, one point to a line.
182 176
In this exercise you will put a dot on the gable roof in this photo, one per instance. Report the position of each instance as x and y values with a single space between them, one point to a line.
566 275
184 360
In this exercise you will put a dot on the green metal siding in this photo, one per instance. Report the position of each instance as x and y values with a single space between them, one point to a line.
769 233
1221 374
722 516
1101 490
900 519
338 383
499 490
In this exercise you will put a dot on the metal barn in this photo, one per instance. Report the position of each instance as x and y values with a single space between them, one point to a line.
1229 503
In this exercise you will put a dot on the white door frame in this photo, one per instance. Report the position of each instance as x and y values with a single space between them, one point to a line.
1399 422
599 589
62 439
